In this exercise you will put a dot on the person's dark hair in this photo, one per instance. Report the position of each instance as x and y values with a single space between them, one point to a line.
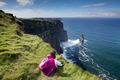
54 54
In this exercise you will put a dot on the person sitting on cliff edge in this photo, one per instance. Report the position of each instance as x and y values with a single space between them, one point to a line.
49 64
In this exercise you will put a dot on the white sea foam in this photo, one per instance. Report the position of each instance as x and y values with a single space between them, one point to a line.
71 43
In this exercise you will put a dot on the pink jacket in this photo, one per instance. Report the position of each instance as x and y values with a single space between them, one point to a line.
47 65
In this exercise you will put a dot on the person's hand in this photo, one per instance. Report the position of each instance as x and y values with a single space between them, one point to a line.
62 63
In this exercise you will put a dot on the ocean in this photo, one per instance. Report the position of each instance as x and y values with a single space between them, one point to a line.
100 53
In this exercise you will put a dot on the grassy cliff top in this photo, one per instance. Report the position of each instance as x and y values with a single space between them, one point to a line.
21 53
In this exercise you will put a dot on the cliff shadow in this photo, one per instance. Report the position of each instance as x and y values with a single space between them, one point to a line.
49 29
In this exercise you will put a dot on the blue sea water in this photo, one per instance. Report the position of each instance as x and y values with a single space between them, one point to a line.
101 51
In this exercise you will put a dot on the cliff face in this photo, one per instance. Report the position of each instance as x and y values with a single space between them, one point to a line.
50 30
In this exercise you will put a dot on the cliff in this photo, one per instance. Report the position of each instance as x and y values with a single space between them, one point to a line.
20 53
50 30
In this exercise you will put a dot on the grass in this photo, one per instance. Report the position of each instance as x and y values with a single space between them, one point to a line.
21 53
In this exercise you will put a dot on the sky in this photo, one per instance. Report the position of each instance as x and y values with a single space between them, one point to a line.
62 8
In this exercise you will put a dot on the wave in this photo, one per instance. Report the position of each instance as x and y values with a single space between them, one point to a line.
74 52
71 43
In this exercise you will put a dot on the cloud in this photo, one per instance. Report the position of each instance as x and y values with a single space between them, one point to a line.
110 13
107 13
94 5
2 4
31 13
25 2
24 13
